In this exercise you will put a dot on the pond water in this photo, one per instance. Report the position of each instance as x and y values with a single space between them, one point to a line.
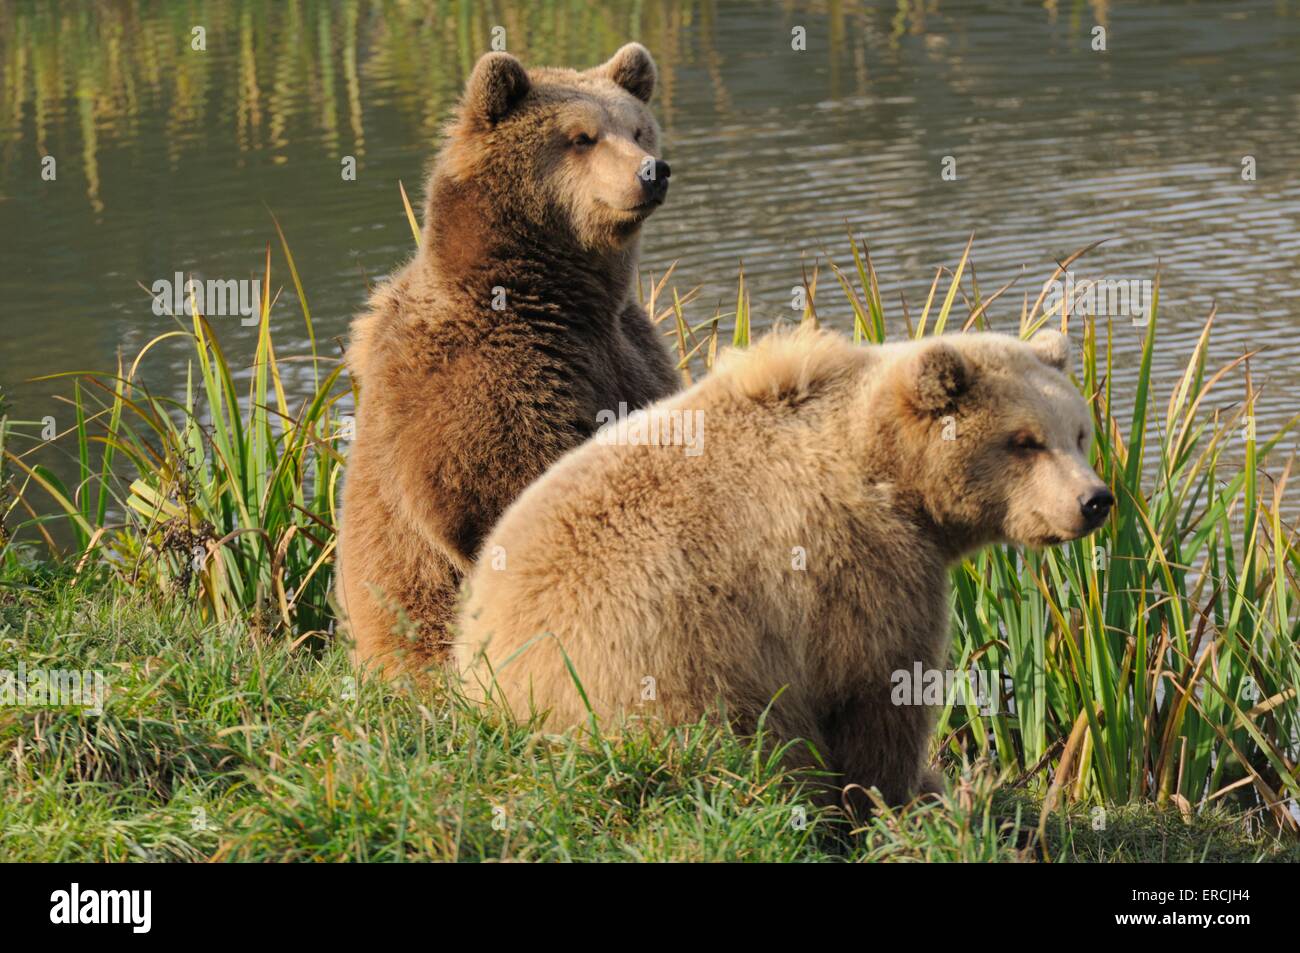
170 159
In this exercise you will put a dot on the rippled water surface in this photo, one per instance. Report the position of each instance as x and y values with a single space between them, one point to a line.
169 159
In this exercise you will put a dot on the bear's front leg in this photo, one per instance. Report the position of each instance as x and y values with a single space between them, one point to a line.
875 743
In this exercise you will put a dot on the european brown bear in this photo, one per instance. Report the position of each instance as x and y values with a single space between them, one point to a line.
497 347
785 526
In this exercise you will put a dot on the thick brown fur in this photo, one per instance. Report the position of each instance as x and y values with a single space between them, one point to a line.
495 350
805 551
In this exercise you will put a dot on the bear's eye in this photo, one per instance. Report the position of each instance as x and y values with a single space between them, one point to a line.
1026 442
636 137
582 141
1083 439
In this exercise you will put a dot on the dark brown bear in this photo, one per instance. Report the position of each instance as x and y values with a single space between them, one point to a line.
494 351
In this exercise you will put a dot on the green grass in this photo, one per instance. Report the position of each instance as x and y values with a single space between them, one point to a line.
217 743
1150 670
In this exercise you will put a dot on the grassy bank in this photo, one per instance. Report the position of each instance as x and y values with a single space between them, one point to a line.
1147 704
220 744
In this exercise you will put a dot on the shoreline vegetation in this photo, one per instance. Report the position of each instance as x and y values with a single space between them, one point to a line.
1147 675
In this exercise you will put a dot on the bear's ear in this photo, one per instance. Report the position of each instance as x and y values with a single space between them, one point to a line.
633 68
495 87
1052 348
940 377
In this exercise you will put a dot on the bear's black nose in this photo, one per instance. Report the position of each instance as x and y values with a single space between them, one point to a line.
656 187
1097 506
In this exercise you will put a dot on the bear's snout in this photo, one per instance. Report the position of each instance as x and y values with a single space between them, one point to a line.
655 187
1095 507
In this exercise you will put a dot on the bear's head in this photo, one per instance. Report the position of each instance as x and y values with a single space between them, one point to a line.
992 438
571 158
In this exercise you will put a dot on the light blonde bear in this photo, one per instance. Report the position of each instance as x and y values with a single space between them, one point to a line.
805 551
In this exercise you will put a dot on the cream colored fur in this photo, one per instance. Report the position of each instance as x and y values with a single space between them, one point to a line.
804 552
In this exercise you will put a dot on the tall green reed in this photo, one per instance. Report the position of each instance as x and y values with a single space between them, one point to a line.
223 497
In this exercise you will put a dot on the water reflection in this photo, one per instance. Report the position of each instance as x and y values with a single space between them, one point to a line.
169 157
